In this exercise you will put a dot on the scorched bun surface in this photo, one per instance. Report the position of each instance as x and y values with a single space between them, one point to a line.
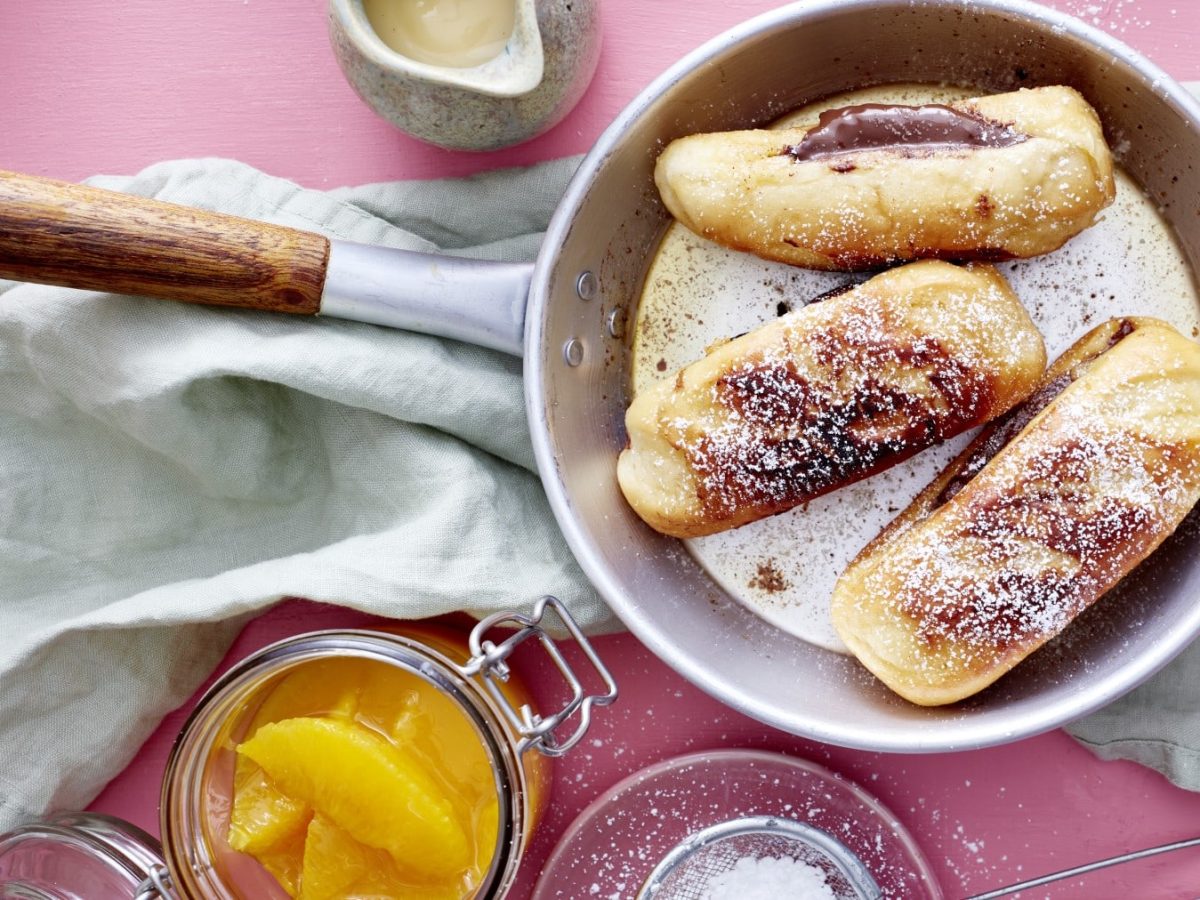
827 395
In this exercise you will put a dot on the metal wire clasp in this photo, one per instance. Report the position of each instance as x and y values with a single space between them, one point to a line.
157 885
488 660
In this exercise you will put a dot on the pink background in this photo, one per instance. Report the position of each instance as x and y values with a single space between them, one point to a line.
111 87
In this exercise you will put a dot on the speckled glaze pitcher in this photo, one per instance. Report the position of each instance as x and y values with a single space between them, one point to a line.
520 93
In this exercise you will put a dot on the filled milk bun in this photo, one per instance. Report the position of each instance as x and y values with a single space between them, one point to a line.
989 178
1042 514
827 395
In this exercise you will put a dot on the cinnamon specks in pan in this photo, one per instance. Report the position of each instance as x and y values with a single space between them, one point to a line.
769 579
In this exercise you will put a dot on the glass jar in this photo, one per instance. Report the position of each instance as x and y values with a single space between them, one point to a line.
80 856
470 671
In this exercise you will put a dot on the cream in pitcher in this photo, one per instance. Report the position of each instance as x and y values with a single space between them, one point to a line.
468 74
456 33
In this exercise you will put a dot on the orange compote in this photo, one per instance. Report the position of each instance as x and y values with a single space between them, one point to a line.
359 778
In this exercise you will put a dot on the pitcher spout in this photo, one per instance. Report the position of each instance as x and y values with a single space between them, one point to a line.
489 47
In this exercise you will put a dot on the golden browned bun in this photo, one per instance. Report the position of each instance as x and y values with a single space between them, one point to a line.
827 395
1021 534
864 208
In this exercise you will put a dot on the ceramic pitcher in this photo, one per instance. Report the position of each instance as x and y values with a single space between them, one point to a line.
528 87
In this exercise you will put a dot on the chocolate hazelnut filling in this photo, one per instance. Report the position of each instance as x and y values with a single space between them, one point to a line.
997 435
878 126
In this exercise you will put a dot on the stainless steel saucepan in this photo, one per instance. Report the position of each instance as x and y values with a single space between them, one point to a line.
572 310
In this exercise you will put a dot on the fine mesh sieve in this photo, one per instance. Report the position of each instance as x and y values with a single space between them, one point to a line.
687 871
667 831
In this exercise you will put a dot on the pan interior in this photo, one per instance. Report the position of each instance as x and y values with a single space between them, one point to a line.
610 224
697 293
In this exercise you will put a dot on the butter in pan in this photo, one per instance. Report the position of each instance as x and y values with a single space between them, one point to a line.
1044 512
827 395
990 178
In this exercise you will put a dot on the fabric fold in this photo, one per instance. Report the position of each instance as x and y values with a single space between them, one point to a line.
170 470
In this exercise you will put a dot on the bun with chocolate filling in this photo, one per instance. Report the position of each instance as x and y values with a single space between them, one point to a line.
1041 515
827 395
990 178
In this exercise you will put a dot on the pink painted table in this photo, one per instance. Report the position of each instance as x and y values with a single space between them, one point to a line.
110 87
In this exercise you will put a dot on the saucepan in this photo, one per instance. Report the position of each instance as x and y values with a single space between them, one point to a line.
572 313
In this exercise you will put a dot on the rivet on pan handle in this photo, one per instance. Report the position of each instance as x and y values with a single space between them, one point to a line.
488 660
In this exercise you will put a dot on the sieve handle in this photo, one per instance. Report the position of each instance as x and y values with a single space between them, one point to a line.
1084 869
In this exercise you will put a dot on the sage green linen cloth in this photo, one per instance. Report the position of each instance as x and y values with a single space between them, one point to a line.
1157 724
169 469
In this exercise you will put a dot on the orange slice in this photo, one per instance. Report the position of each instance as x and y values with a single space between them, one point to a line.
336 867
380 794
414 713
262 817
283 861
318 688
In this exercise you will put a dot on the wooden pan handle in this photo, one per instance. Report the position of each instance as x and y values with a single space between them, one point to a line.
53 232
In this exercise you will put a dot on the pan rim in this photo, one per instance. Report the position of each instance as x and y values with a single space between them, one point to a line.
934 735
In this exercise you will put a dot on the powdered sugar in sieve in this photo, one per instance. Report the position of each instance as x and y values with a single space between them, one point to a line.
707 859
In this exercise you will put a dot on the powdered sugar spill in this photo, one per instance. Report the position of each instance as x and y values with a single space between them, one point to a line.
697 293
1115 16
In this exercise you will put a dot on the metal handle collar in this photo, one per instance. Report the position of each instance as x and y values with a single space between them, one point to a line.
473 300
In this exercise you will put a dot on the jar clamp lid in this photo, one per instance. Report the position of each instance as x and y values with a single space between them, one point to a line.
81 856
471 675
489 660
